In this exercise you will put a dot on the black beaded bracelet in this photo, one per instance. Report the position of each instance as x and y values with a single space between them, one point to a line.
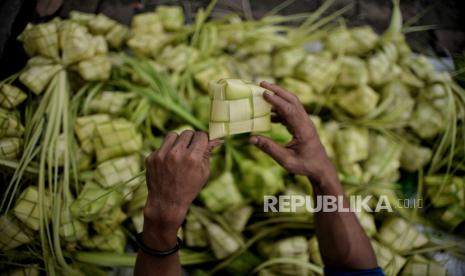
156 253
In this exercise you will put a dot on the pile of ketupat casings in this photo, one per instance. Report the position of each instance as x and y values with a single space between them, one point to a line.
96 97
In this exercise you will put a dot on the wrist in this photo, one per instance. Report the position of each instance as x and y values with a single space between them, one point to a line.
158 237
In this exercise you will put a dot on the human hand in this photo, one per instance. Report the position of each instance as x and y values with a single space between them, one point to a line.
304 155
175 174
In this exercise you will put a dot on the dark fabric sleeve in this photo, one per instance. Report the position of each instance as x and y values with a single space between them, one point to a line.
367 272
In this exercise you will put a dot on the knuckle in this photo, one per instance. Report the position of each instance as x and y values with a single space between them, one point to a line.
289 110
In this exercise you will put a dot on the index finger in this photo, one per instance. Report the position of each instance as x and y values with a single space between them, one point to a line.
281 92
199 142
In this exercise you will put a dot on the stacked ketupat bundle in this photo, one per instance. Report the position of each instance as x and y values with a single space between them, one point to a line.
237 107
11 128
382 111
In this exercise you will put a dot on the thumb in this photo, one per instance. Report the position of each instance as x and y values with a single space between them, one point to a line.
275 150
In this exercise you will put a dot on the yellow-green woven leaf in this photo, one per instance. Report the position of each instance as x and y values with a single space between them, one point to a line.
116 138
221 193
75 42
84 127
27 207
36 78
418 265
358 102
172 17
117 171
41 39
10 147
11 96
400 235
12 233
237 107
95 202
96 68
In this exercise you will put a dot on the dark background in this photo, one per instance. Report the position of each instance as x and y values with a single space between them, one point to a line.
446 39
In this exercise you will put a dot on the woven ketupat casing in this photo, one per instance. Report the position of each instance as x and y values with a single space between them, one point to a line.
27 207
114 242
84 128
418 265
109 102
116 138
12 233
388 260
118 170
37 77
95 68
294 248
237 107
221 193
76 42
71 229
400 235
10 147
94 202
41 39
195 233
11 96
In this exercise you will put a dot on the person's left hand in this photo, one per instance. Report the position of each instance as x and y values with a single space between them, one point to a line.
175 175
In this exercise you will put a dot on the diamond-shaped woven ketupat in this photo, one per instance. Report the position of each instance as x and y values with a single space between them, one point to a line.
11 96
10 147
400 235
117 170
237 107
12 234
116 138
10 125
418 265
85 129
27 207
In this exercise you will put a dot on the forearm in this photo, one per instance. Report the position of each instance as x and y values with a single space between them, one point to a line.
158 238
342 241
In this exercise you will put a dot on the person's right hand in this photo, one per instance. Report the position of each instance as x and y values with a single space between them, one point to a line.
304 155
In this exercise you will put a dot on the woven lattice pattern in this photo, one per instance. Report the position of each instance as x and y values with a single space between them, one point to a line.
114 242
11 233
109 102
101 24
10 147
147 44
116 138
320 71
95 202
84 128
195 233
37 77
400 235
11 96
71 229
172 17
351 145
107 224
293 247
118 170
76 43
221 193
391 262
117 35
27 207
41 39
444 190
314 251
237 107
95 68
418 265
222 243
453 216
139 197
147 23
238 217
10 125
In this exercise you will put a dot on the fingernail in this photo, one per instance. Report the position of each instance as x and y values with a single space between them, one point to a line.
268 93
253 140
